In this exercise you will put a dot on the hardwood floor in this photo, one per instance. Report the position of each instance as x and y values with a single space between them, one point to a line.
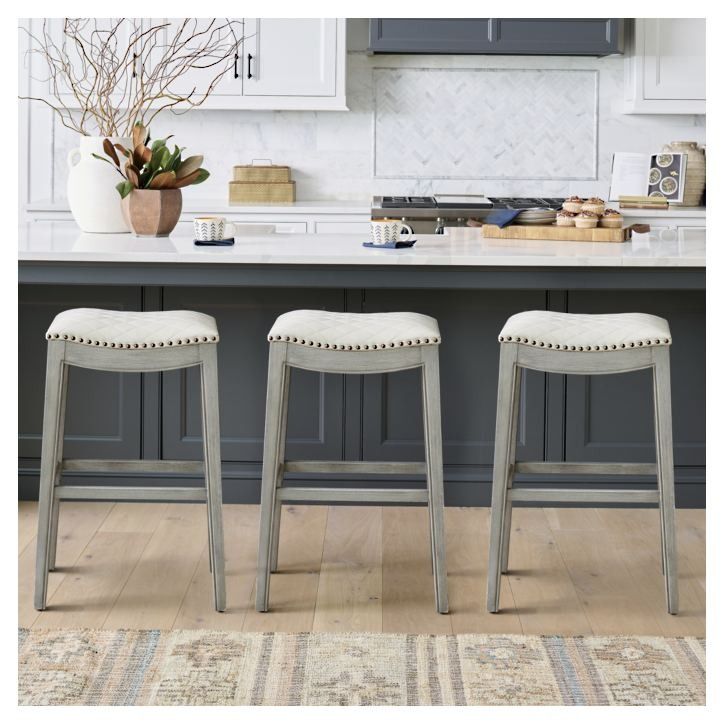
572 571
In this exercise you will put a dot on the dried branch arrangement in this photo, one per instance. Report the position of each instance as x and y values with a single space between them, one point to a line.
152 167
105 75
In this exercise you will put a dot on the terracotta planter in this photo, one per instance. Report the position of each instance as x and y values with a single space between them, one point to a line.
152 212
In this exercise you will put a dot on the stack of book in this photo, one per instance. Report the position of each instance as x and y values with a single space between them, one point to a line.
643 202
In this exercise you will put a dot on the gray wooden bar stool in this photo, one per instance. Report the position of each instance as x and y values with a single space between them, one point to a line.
337 342
586 345
128 342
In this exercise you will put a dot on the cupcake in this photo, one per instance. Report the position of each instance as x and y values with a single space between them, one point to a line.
611 219
594 204
565 219
586 220
573 204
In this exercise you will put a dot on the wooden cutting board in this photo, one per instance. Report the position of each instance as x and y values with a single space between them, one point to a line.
562 234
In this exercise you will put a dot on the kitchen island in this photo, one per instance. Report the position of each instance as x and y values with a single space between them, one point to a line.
471 285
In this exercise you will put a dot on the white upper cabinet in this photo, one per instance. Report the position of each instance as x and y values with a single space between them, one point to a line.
290 57
665 67
281 63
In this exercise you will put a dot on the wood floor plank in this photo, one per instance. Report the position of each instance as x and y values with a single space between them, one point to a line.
134 517
77 525
27 523
293 590
637 541
543 593
610 597
467 531
350 594
86 596
408 597
153 594
241 529
691 540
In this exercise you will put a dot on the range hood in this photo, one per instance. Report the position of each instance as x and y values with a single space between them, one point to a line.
497 36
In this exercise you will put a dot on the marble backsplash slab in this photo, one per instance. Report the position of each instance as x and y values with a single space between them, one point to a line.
465 123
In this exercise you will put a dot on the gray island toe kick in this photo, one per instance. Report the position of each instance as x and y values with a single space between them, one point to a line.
470 285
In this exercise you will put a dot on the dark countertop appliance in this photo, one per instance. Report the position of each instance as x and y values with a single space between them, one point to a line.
422 213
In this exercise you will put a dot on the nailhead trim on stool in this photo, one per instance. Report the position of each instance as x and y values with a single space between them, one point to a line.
133 330
352 331
585 333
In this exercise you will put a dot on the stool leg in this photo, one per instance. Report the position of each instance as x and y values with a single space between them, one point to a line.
53 544
274 556
213 470
270 467
434 464
666 471
510 473
501 463
48 467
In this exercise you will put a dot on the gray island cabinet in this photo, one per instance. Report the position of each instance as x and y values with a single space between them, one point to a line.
468 284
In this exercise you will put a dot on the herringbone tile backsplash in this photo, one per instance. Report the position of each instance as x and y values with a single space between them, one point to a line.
459 123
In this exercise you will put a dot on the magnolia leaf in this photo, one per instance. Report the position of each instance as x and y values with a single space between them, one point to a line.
141 155
186 180
122 149
132 174
203 176
189 164
139 134
124 188
102 158
164 180
110 151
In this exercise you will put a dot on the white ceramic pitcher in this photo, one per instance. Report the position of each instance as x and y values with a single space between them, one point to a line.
92 196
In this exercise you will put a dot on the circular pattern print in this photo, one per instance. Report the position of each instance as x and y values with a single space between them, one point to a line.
657 193
668 185
664 160
654 176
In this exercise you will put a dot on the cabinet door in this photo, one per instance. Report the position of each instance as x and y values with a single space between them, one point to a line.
103 418
244 317
429 35
191 34
557 36
289 56
469 322
674 58
610 417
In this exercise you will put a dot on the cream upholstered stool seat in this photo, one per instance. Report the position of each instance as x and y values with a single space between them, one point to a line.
558 342
339 342
128 342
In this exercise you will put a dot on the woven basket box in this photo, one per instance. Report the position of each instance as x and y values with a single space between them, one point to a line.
264 174
242 192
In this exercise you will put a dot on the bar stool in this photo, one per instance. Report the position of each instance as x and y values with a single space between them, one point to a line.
128 342
558 342
337 342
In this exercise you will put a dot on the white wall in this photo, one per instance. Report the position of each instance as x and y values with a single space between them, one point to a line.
460 130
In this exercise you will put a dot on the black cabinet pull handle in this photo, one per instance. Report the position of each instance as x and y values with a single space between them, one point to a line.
236 58
249 65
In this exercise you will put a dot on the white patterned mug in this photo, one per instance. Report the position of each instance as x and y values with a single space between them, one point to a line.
387 230
209 228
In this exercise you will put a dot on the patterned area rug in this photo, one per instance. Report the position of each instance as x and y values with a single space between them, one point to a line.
194 667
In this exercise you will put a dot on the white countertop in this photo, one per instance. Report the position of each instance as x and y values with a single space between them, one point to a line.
63 242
